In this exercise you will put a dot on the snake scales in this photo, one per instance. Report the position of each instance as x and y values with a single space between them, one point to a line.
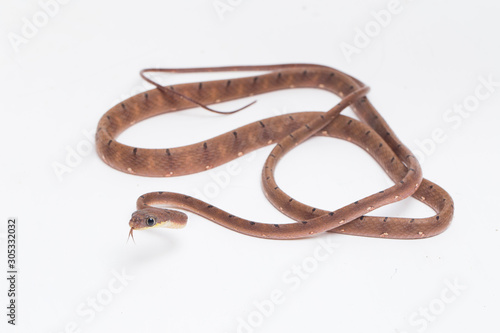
284 132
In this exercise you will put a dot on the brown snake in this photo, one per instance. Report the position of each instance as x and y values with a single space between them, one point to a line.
286 131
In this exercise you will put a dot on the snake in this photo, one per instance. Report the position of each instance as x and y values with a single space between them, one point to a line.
371 132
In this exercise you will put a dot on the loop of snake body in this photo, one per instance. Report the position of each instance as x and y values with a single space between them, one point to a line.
285 132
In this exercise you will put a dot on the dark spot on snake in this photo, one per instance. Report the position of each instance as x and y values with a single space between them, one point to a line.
123 105
381 192
210 206
392 159
385 220
109 142
187 197
349 122
363 99
361 217
262 124
108 117
402 182
172 87
331 213
304 222
356 202
431 186
314 209
437 218
291 136
408 156
376 117
255 79
368 132
379 145
252 223
160 192
291 117
267 177
168 152
411 221
276 187
307 126
279 75
272 155
332 75
277 225
235 135
142 197
411 169
204 145
387 133
399 146
351 87
135 151
444 199
304 73
231 216
228 83
279 145
291 199
200 85
322 117
146 95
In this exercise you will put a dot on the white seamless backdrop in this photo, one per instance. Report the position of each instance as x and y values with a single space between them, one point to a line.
434 76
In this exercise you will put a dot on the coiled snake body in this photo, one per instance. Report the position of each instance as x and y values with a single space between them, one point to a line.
284 132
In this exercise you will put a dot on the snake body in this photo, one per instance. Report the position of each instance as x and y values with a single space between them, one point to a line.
285 132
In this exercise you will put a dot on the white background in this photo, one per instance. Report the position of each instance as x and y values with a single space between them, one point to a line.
85 58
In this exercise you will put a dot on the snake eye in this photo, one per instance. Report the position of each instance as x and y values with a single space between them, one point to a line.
150 221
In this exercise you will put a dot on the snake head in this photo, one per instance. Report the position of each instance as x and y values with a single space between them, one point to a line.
153 217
